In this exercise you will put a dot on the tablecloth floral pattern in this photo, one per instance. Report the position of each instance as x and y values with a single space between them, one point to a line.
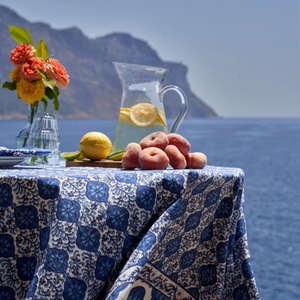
197 249
66 232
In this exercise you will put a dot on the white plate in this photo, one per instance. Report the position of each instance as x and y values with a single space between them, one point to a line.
3 158
11 162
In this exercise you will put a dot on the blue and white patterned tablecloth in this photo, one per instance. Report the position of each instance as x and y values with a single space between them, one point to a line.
66 233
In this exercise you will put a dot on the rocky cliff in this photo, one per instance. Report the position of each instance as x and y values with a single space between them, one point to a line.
94 90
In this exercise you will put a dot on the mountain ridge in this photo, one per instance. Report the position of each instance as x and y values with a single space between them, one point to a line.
94 90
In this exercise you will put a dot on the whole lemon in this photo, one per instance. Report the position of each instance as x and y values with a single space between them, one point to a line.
95 145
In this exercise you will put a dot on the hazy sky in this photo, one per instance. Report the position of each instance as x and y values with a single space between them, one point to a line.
242 55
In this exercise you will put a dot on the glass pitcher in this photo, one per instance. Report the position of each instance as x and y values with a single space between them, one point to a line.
142 110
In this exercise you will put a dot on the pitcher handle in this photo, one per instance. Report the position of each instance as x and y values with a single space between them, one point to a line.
184 105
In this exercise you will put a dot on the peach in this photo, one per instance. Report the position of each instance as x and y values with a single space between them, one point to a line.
156 139
177 160
130 158
196 160
180 142
153 158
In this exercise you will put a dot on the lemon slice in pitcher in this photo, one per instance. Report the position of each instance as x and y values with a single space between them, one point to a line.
143 114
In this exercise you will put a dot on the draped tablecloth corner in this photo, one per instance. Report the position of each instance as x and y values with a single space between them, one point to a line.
66 233
197 249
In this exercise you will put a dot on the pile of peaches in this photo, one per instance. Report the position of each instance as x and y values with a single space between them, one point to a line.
157 150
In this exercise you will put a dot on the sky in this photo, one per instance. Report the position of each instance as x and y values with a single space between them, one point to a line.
242 55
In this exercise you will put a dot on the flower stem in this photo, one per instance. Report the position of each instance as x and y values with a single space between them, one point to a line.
33 110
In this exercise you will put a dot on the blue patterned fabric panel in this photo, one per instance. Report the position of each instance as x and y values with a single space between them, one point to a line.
24 152
197 249
64 232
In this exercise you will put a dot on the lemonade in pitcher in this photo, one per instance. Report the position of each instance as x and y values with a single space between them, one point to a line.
142 112
137 122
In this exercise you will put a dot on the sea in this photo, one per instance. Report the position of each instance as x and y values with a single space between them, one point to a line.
268 150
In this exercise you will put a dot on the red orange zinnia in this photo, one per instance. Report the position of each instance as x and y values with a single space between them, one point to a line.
28 69
21 54
57 72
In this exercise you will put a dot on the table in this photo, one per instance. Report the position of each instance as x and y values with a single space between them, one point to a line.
94 233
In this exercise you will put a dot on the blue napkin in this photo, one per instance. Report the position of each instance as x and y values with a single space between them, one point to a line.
24 152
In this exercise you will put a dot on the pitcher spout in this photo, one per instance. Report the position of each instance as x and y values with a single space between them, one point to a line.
139 74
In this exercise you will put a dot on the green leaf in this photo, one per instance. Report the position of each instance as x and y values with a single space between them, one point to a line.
49 93
45 103
53 94
42 73
48 83
56 103
20 35
56 91
9 85
41 50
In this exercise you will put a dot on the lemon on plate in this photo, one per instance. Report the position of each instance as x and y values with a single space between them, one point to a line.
143 114
71 155
95 145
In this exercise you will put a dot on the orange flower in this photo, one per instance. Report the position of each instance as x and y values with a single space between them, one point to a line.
57 72
28 70
21 53
29 92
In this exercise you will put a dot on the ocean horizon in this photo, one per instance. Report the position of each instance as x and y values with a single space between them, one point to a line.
268 151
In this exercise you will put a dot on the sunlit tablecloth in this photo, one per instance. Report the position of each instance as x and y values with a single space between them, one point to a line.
66 232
